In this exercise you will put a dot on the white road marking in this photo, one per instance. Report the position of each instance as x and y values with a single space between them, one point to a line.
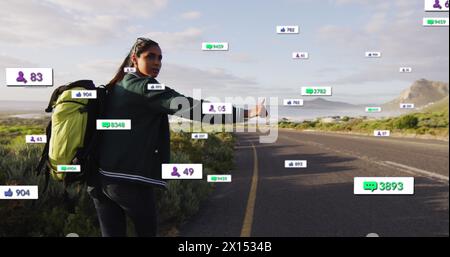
416 170
397 166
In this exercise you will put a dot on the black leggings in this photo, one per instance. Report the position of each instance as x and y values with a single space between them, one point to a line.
114 200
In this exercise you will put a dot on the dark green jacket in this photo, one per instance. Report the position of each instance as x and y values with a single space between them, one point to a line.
137 154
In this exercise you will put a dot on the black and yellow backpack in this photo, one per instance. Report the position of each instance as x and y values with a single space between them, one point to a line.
71 134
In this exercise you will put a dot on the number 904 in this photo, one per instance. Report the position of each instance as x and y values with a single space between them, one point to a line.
22 192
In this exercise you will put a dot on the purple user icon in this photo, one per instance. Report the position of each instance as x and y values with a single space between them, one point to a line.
211 108
20 78
175 172
437 4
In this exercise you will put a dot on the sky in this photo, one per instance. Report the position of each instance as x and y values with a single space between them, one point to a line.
88 39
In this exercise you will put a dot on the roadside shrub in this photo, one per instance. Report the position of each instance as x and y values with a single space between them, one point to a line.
406 122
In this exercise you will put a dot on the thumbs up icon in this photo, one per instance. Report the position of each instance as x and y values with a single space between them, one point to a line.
8 193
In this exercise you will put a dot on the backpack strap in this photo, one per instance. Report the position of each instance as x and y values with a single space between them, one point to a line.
87 84
44 156
54 97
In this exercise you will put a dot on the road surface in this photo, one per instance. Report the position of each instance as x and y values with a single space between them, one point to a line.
266 199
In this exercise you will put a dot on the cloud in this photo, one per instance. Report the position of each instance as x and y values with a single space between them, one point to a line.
241 57
101 66
398 33
13 62
390 72
136 8
50 23
190 15
377 23
213 82
177 40
344 2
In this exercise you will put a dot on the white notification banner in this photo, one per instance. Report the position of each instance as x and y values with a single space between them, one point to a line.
215 46
435 22
295 163
68 168
288 29
182 171
317 91
28 77
114 124
36 139
129 69
381 133
199 136
436 5
383 185
406 106
18 192
217 108
84 94
218 178
156 86
293 102
405 70
300 55
373 109
373 54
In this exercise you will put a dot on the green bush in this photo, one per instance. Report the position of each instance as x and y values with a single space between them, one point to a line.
406 122
51 215
435 123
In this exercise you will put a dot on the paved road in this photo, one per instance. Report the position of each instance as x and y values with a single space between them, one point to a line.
266 199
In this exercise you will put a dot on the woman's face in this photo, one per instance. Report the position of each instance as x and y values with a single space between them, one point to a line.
149 62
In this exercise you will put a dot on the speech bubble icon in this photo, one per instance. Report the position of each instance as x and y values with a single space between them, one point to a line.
309 90
214 178
209 46
106 124
370 185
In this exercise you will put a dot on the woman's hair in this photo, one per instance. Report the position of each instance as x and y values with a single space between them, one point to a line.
141 45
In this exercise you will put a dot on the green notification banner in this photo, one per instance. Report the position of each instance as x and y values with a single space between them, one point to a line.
215 46
435 22
383 186
113 124
316 91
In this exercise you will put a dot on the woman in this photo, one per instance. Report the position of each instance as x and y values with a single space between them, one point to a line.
130 160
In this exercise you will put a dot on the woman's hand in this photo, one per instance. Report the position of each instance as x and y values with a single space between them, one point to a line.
259 111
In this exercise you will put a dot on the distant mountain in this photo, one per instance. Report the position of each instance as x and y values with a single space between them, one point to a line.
320 103
439 106
421 93
22 106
